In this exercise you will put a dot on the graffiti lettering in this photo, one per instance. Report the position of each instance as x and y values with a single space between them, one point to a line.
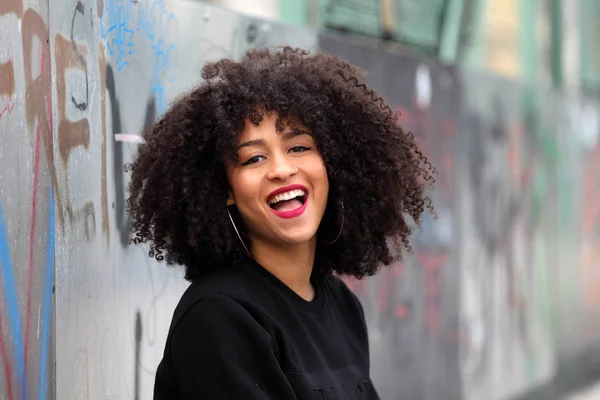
38 87
7 85
36 92
123 219
80 58
155 24
71 134
12 6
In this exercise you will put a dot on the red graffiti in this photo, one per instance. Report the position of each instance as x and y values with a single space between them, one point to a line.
30 274
428 130
591 230
432 265
357 286
8 373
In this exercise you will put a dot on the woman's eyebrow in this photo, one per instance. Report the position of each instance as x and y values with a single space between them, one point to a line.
261 142
249 143
296 132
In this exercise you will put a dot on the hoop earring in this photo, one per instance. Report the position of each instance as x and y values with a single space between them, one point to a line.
342 227
237 232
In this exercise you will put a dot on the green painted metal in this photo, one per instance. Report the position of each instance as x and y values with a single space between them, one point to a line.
589 16
528 29
420 23
450 35
293 11
556 40
471 53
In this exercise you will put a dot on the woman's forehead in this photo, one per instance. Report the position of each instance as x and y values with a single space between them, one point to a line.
270 124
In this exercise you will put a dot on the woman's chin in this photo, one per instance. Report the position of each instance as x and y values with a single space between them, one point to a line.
298 236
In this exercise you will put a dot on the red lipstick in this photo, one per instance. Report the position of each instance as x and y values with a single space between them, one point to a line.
285 189
292 213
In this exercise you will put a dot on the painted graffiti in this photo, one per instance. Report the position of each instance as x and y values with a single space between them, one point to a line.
37 111
472 297
7 85
25 369
124 22
123 219
590 263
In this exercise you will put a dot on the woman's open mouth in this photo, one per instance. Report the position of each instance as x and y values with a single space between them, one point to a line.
289 202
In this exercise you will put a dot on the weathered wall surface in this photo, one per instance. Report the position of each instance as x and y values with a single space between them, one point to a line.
502 289
27 212
412 308
501 293
84 315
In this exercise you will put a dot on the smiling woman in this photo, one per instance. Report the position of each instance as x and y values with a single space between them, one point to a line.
274 176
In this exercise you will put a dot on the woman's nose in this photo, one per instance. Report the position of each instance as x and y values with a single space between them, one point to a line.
282 169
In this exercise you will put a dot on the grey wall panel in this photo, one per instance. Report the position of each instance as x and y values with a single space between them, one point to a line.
26 203
507 233
123 62
78 82
579 227
412 308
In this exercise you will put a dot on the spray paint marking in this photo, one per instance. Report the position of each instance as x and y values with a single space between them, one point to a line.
128 137
6 364
49 282
7 109
154 24
11 296
36 171
10 104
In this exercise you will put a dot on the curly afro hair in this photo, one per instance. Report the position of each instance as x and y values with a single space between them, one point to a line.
178 187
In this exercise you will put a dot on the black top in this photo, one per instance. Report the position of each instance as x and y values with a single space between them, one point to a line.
243 334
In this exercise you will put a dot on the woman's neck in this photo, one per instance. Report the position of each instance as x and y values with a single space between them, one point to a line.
292 265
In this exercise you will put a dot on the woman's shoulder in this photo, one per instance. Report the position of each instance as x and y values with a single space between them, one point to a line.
212 293
339 287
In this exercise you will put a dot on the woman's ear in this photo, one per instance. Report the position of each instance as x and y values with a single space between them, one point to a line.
230 200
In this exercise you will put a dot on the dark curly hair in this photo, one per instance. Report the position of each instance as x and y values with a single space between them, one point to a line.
178 187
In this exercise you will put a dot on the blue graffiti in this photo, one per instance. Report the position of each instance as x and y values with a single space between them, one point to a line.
116 34
11 298
153 26
10 286
48 284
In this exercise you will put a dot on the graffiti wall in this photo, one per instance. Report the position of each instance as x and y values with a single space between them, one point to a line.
500 293
27 209
501 289
84 315
507 214
578 308
412 308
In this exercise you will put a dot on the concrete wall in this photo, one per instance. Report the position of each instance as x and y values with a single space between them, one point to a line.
82 313
502 288
501 294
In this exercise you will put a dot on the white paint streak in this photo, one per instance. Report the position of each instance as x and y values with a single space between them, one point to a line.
128 137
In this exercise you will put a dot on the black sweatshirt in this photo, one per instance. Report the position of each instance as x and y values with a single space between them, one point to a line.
243 334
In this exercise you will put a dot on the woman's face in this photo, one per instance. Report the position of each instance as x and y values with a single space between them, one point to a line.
279 183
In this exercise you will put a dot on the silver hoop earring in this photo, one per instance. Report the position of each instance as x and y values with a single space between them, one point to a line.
237 232
342 227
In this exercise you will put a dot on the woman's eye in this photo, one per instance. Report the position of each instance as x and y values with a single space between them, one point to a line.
252 160
299 149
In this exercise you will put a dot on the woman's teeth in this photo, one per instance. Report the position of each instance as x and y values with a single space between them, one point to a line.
287 196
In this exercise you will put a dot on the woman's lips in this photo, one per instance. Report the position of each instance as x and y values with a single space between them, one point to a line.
292 213
286 212
284 189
